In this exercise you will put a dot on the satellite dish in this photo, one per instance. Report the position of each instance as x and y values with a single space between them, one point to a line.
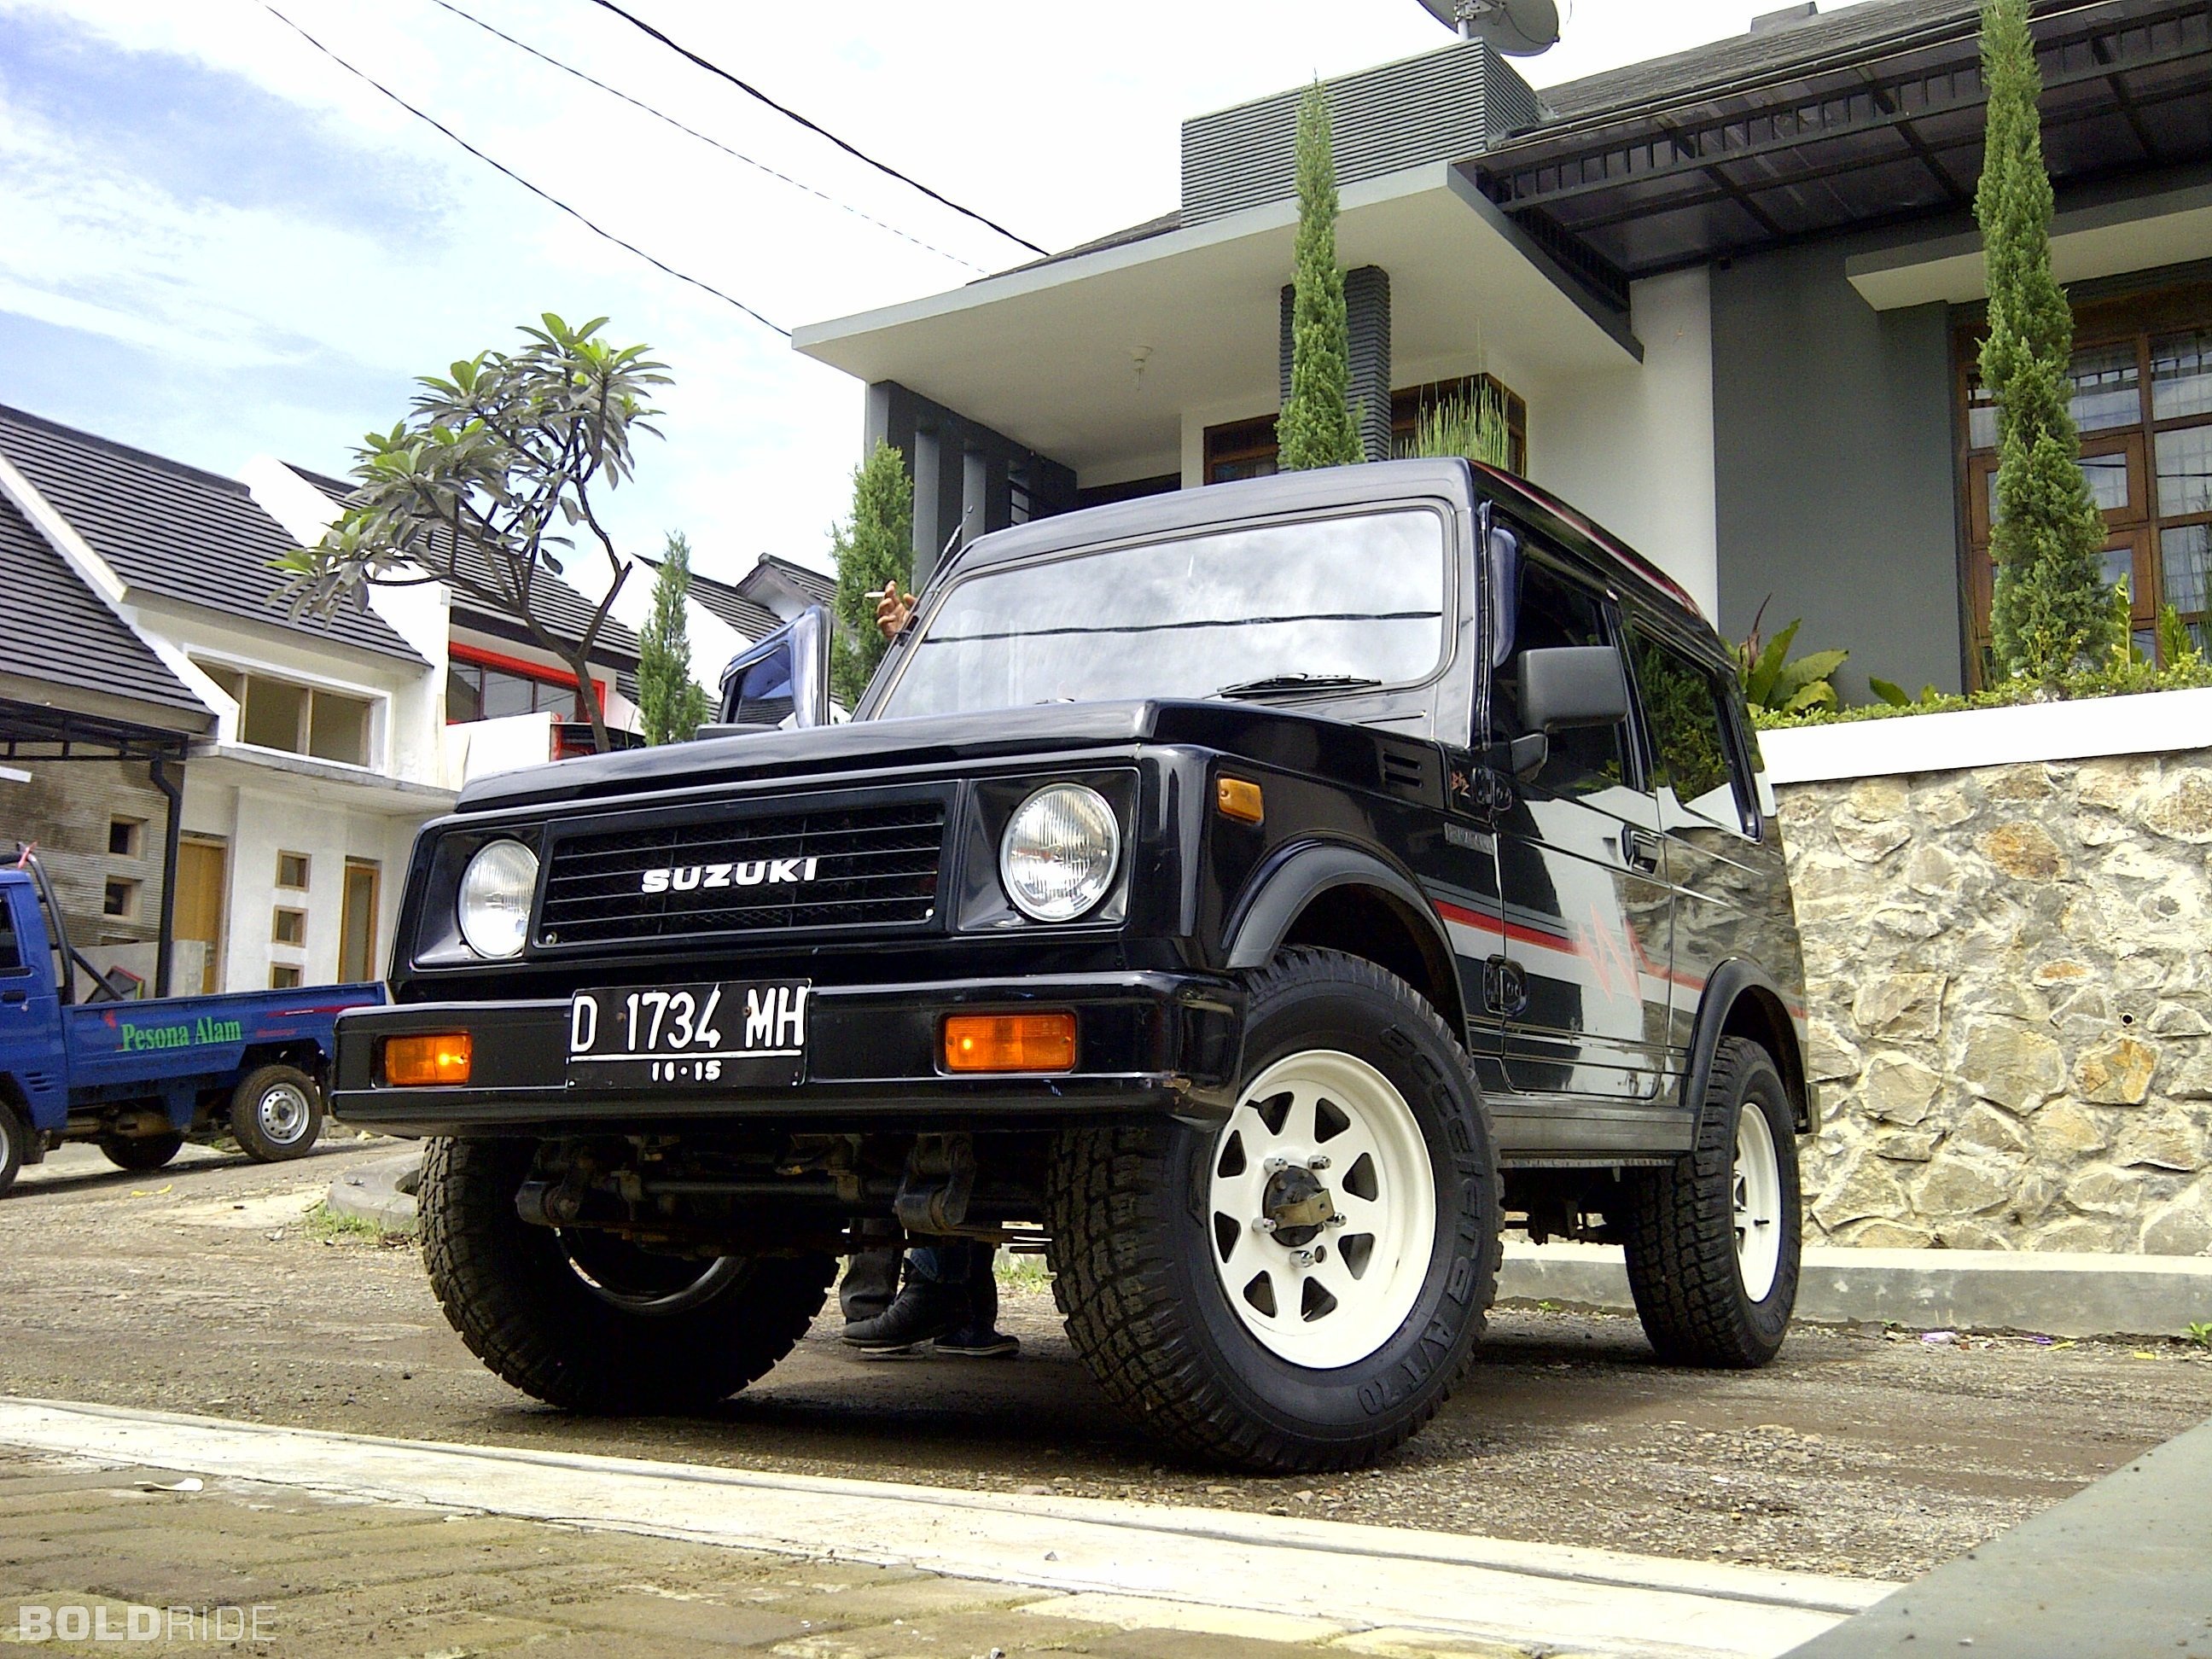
1518 28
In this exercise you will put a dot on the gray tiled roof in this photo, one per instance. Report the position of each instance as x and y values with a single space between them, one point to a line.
1852 35
173 530
750 618
560 606
818 588
61 632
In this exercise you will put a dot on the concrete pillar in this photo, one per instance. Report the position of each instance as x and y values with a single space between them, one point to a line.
925 542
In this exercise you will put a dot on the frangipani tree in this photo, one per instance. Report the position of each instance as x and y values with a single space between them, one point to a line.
490 481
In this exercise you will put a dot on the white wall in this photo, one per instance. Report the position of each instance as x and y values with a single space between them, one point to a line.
255 826
1634 450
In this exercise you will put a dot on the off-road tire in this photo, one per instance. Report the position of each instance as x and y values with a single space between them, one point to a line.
255 1138
1134 1259
140 1152
15 1138
1681 1231
509 1289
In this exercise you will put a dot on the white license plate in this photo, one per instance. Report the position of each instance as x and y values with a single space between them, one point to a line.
733 1034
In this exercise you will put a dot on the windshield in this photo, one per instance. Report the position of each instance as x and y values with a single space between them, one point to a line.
1318 605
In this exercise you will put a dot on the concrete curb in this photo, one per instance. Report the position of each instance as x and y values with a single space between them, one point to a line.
381 1194
2054 1293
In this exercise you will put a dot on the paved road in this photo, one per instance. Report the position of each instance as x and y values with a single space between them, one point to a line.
202 1289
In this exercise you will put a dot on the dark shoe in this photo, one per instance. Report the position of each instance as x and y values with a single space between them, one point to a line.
984 1343
923 1310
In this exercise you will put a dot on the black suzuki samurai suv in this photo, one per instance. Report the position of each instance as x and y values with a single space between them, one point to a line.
1252 896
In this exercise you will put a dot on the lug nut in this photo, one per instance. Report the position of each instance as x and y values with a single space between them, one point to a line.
1262 1224
1275 1166
1304 1258
1336 1221
1318 1161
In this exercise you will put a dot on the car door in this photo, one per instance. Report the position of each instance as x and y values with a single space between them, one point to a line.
30 1014
1708 814
1587 913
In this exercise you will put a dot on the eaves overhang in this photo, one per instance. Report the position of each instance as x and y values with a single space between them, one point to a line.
1092 360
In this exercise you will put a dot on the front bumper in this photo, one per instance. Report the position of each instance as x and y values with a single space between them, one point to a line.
1146 1043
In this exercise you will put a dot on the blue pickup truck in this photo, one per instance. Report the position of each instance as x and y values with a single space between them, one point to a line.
135 1077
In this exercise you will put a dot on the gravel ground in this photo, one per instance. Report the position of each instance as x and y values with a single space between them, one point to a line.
209 1287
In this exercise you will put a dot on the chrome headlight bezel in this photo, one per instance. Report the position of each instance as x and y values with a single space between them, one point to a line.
494 920
1096 843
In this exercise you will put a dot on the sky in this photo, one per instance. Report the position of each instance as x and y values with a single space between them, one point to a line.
215 243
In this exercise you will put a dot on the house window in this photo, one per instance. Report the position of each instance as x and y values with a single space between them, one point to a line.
126 838
290 928
2141 381
479 690
300 720
120 898
1246 449
285 976
292 870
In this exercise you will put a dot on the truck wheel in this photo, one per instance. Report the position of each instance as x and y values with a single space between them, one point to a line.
1713 1240
276 1112
1298 1288
140 1152
590 1323
14 1138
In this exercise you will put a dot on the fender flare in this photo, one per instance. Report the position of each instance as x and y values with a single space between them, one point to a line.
1278 893
1728 985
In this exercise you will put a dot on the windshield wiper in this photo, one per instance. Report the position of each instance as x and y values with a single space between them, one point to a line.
1279 685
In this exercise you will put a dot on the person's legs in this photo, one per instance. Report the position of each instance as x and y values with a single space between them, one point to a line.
871 1275
978 1335
933 1301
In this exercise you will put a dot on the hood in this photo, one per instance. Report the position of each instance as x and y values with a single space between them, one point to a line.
1295 739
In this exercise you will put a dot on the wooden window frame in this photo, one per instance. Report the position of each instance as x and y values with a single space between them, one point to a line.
2141 317
1236 443
278 916
476 656
307 873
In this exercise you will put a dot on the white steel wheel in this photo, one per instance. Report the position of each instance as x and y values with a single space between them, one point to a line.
1755 1186
284 1112
1322 1206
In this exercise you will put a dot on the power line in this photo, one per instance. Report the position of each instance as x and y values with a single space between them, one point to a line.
785 110
498 167
661 115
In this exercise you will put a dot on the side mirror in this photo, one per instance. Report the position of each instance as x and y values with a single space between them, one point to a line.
1566 686
782 680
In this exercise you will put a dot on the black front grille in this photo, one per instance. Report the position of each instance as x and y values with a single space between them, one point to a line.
870 866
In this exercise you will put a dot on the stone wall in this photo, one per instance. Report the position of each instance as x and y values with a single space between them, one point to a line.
2010 978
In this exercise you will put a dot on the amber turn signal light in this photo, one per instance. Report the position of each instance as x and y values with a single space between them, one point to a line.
1234 798
426 1062
1010 1042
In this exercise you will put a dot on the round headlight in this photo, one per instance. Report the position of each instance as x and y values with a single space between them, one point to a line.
493 908
1060 851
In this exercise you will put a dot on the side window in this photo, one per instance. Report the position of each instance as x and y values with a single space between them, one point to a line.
1553 610
1685 705
11 952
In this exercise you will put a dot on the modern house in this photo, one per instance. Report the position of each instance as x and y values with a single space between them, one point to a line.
226 792
1731 297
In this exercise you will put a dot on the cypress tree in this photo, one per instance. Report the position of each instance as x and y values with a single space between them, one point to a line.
873 548
671 704
2051 613
1316 427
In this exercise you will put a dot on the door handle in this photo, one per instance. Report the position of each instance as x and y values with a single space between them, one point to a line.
14 998
1640 847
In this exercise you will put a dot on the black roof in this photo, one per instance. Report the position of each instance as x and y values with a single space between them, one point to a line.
59 631
175 531
748 616
1872 115
560 606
